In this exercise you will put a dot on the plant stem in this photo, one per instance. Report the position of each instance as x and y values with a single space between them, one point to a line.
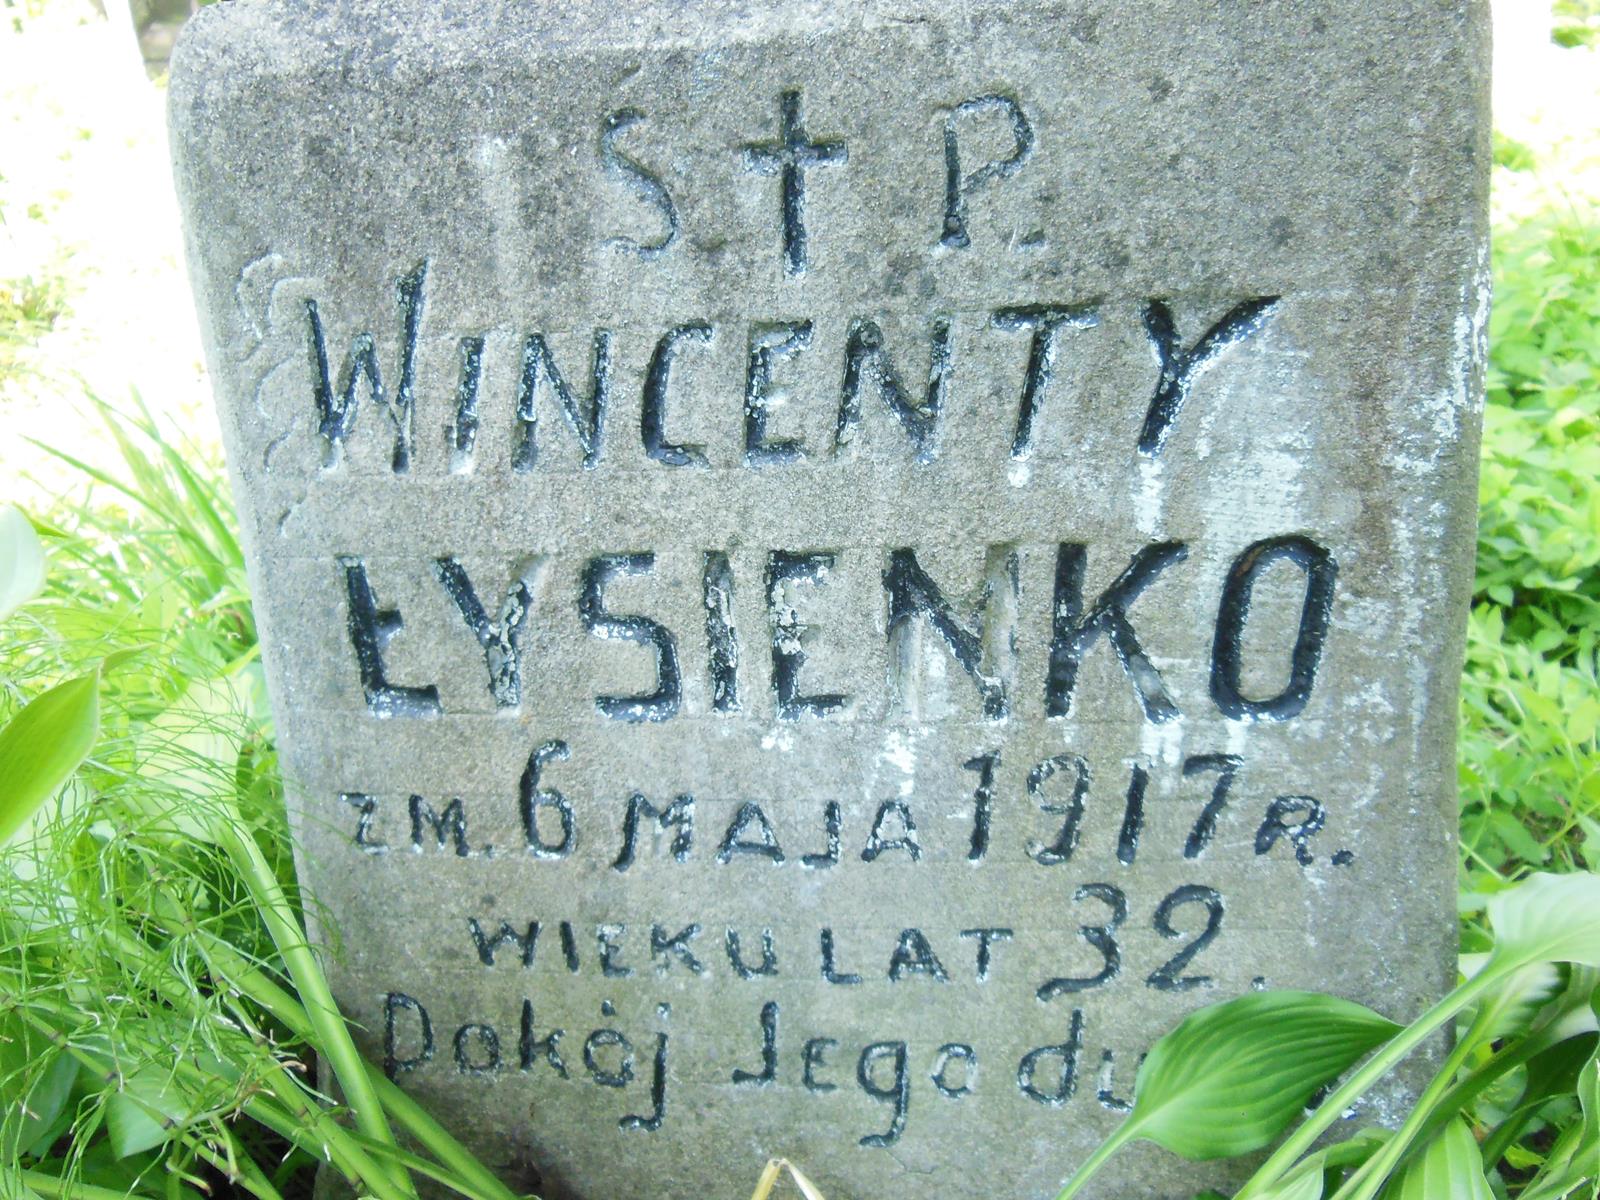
287 1090
1506 1059
332 1035
1556 1178
251 981
53 1185
241 1169
320 1136
1364 1184
421 1166
1123 1134
331 1144
1379 1065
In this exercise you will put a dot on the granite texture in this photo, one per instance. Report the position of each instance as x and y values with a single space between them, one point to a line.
1027 487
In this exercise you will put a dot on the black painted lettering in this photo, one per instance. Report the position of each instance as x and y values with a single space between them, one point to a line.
638 179
366 808
531 1048
1180 368
653 411
958 185
1205 827
531 799
1132 816
986 939
371 629
955 1052
678 816
866 363
525 943
1279 824
569 947
1102 937
597 1043
1066 1081
1165 978
722 642
393 1005
790 633
336 410
830 970
452 823
737 839
660 703
500 640
878 845
658 1083
769 1049
983 647
789 157
585 415
769 957
607 938
663 948
488 1042
1073 633
462 435
897 1092
1046 322
982 802
1316 612
1106 1093
914 956
769 344
814 1058
832 819
1066 842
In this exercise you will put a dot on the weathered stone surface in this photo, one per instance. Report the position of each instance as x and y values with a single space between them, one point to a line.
916 493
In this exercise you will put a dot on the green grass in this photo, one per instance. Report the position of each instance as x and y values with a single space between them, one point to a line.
161 1016
1529 759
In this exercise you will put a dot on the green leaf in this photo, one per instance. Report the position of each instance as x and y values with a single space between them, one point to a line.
1518 1000
12 1186
146 1112
21 561
35 1080
1451 1168
1232 1076
1301 1185
1306 1181
1571 1163
1555 1072
43 745
1548 918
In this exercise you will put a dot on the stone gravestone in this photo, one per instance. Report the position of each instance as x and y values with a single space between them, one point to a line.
827 572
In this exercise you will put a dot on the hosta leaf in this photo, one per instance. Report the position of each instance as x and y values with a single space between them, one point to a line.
1302 1185
1517 1000
1451 1168
1548 918
1306 1180
21 561
1555 1072
42 746
1231 1077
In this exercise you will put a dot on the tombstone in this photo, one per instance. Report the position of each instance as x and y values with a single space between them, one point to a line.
827 572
